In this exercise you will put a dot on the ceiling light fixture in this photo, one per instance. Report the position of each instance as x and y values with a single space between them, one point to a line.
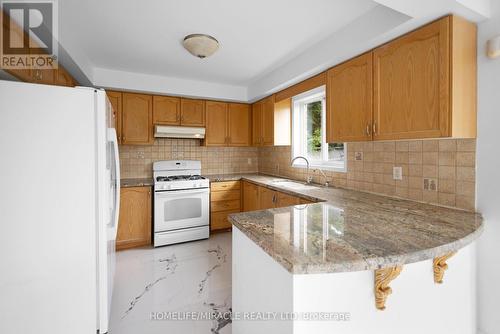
200 45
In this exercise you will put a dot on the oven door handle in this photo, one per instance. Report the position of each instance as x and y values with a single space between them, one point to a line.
174 193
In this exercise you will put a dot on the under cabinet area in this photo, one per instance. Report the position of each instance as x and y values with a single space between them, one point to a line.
135 220
225 198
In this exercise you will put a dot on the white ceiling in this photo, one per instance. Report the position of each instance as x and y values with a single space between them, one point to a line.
256 37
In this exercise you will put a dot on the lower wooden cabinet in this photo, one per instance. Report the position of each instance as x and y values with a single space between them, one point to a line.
250 196
260 198
225 198
134 227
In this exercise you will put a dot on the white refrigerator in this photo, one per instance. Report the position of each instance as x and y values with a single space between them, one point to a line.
59 204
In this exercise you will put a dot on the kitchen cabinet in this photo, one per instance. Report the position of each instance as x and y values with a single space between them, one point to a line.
267 198
225 198
238 129
115 98
166 110
271 122
216 129
349 99
250 196
137 119
260 198
63 78
192 112
425 83
228 124
135 220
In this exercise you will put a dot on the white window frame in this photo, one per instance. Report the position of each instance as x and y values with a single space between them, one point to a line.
299 128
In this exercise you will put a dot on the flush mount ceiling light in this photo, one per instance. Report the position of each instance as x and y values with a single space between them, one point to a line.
200 45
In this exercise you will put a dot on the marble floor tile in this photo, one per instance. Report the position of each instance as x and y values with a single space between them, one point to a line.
189 277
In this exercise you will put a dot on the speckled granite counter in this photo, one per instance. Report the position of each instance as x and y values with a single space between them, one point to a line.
145 182
352 230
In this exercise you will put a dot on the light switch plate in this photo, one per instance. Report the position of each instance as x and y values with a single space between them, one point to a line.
397 173
358 156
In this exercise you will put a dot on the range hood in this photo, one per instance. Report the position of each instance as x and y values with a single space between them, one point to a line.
164 131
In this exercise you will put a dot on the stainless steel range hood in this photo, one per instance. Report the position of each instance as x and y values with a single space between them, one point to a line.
164 131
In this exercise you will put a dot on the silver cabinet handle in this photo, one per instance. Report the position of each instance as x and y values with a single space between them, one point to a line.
374 128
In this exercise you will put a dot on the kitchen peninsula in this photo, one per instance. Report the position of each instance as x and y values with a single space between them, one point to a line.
386 262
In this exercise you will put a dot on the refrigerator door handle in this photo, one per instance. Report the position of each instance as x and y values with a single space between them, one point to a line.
116 210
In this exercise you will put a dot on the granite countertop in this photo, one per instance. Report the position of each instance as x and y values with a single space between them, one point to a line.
136 182
352 230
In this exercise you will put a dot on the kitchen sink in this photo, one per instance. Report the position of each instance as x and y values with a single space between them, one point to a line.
293 185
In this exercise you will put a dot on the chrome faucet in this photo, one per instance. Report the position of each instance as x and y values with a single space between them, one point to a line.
326 184
308 180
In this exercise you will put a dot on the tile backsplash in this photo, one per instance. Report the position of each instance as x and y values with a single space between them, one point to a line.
448 164
137 161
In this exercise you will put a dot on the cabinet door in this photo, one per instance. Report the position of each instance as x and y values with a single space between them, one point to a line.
239 124
219 221
216 130
166 110
192 112
137 119
350 100
45 76
250 196
267 198
287 200
268 121
134 227
411 85
115 98
257 124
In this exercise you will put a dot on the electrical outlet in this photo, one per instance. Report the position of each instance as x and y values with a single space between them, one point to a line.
397 173
430 184
358 156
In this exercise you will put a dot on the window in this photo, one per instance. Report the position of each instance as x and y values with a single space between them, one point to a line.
309 132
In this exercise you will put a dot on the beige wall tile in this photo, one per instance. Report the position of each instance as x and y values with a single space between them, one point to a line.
415 170
415 182
402 157
466 159
446 186
415 157
430 145
466 188
415 146
448 145
446 199
466 145
465 202
402 146
430 158
447 158
430 171
447 172
415 194
466 174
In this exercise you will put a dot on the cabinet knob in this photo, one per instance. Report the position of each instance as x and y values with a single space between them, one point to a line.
368 130
374 128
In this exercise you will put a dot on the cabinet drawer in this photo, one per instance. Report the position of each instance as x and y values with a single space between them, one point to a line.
225 195
225 205
227 185
219 220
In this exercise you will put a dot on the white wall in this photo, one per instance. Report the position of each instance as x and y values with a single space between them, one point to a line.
488 177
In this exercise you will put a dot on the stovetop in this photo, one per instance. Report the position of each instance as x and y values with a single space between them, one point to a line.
179 178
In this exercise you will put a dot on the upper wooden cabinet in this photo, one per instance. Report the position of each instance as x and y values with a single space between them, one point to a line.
257 123
239 125
425 83
192 112
268 121
349 101
166 110
137 119
216 129
115 98
228 124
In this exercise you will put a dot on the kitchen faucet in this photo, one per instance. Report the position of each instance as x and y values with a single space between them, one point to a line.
308 179
326 184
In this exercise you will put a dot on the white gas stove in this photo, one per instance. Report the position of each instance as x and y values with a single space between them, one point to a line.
181 202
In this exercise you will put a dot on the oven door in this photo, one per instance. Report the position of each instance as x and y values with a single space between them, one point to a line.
180 209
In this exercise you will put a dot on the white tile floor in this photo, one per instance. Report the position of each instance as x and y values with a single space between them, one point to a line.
193 276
